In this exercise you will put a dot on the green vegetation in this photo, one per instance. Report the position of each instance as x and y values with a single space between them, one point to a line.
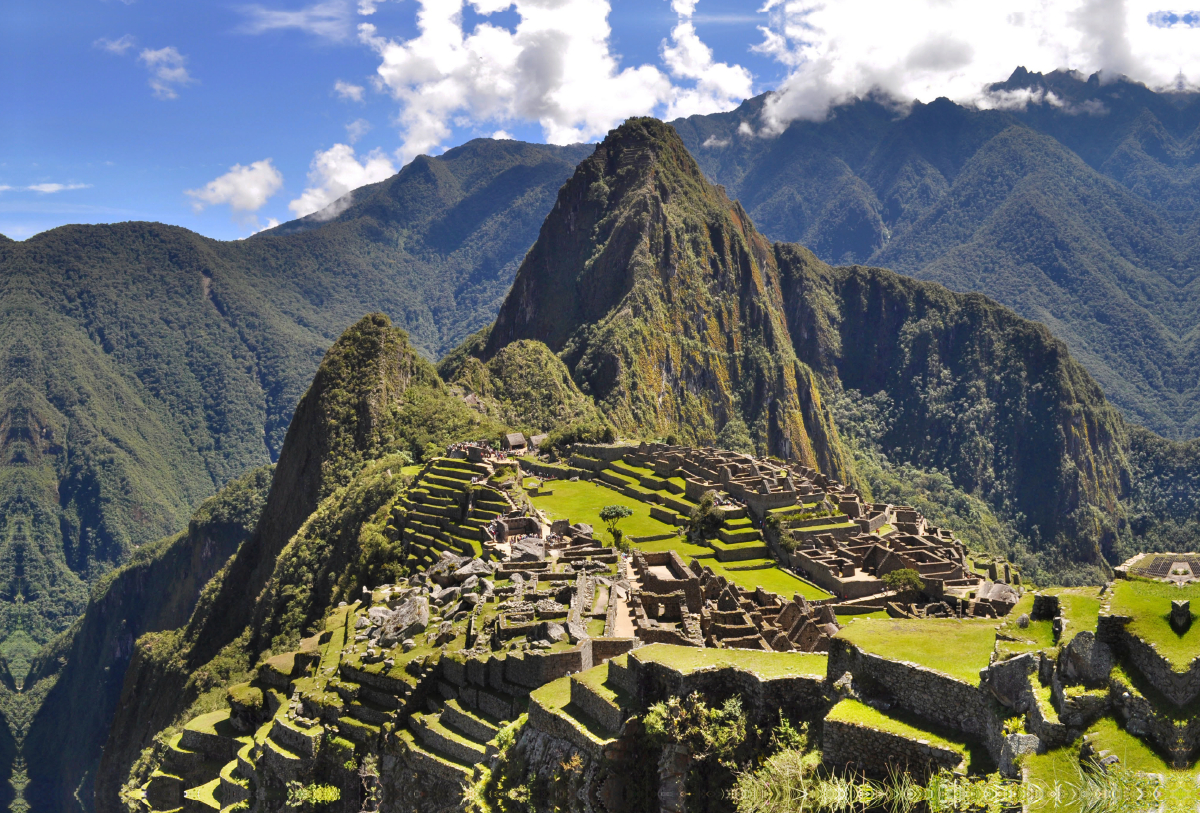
767 576
766 665
904 579
708 733
612 516
959 649
1148 604
581 501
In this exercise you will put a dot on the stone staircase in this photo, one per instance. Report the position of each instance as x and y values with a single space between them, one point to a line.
442 515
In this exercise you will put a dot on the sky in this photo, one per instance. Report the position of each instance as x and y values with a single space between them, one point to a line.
227 118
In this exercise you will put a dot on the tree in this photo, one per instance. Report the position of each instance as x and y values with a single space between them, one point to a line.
904 579
611 516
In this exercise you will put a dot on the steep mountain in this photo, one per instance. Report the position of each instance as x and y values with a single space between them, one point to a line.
372 396
970 402
84 668
143 366
1076 205
643 268
664 303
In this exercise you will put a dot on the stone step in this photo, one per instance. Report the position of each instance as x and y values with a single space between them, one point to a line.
358 732
599 700
468 723
164 791
434 763
430 732
370 713
301 741
234 787
620 675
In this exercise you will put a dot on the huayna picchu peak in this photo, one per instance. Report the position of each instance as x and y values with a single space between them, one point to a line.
683 519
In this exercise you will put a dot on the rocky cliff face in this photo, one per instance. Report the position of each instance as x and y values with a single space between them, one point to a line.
976 391
665 304
85 667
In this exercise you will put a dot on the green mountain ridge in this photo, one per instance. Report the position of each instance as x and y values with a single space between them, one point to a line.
975 407
1078 211
144 366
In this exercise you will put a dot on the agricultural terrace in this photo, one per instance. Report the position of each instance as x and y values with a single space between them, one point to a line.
1148 604
959 649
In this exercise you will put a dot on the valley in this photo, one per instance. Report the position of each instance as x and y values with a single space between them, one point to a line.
785 434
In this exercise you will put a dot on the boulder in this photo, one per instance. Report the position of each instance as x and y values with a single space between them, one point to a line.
446 595
583 529
577 632
525 550
1086 660
549 631
406 620
470 584
475 567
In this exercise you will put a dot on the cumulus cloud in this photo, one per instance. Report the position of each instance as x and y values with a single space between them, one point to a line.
357 129
245 188
718 85
51 188
923 49
332 19
168 71
348 91
118 46
554 68
332 177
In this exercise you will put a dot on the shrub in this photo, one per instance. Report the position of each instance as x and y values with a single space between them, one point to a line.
903 580
705 519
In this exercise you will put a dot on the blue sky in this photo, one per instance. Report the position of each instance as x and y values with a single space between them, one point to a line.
225 117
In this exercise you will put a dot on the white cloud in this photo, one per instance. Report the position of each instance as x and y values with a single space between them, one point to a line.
718 85
712 142
333 175
923 49
4 188
369 7
348 91
118 46
502 135
357 129
51 188
167 71
245 188
554 68
332 19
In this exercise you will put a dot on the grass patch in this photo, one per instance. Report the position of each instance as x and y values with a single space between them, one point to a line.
959 649
581 501
688 659
774 579
856 713
1148 603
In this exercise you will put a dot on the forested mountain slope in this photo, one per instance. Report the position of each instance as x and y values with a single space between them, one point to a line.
143 366
1080 209
642 267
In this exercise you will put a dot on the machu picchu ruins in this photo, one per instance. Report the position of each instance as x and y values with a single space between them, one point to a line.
523 628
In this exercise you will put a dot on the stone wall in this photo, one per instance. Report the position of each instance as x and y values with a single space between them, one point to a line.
876 753
762 699
939 698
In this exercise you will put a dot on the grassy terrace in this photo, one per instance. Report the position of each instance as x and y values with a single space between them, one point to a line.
581 501
774 579
856 713
959 649
688 659
1148 603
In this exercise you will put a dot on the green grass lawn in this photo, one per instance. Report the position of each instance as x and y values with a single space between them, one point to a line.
959 649
581 501
1149 605
774 579
688 659
844 618
680 544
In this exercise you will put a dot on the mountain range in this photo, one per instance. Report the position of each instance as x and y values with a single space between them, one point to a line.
146 367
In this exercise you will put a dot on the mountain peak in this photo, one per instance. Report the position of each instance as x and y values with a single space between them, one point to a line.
664 303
